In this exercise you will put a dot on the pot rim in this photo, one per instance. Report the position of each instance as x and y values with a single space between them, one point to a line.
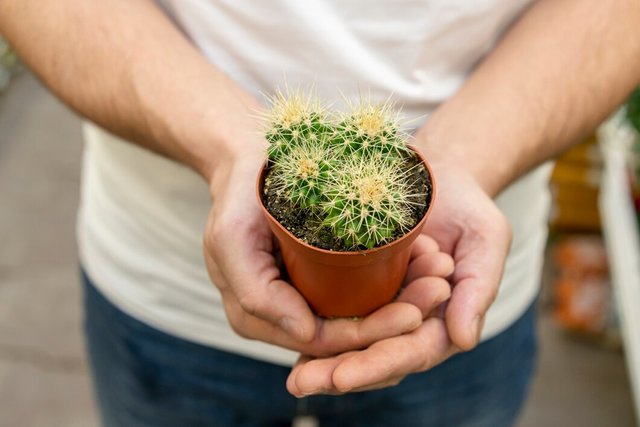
397 242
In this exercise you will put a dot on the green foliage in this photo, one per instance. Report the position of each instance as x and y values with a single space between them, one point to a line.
633 109
8 62
352 171
7 56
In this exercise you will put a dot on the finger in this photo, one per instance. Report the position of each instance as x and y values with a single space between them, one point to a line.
423 244
315 376
479 267
426 293
280 304
291 383
340 335
393 358
239 242
246 325
312 376
430 264
384 363
378 386
466 311
333 336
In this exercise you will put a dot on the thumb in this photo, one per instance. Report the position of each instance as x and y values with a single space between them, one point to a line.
480 255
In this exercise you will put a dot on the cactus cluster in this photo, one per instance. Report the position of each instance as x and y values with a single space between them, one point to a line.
352 172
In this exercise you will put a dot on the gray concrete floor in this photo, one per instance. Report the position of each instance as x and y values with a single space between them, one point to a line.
44 377
43 373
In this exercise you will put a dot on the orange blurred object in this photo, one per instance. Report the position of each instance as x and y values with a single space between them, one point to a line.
582 288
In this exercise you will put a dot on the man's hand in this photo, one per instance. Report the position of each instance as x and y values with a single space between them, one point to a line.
541 88
465 223
240 256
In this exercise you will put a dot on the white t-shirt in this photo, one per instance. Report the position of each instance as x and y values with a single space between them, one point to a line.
142 216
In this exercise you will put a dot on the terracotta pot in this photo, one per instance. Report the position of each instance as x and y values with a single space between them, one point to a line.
345 284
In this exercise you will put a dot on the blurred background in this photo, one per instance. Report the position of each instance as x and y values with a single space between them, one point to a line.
589 363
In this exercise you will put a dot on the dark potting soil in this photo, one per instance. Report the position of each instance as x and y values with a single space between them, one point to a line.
307 227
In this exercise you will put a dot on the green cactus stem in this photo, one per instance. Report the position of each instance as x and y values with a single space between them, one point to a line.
368 202
300 174
368 129
292 119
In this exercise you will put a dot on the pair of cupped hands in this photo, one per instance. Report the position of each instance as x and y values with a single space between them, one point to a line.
453 277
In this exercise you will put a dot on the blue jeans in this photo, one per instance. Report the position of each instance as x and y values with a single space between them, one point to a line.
144 377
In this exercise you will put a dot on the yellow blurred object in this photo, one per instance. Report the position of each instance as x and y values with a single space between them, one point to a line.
575 184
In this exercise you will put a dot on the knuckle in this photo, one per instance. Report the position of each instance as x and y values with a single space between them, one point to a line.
426 360
245 333
501 225
493 295
468 346
237 326
214 236
237 320
356 336
395 381
250 303
489 290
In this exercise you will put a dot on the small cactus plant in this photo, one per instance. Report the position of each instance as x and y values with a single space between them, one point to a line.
352 174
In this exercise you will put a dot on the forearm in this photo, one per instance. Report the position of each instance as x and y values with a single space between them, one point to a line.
557 73
125 66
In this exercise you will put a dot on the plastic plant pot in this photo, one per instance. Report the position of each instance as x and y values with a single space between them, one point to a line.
346 284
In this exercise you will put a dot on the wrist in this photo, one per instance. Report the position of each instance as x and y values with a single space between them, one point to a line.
464 153
218 141
206 121
462 167
235 159
226 150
